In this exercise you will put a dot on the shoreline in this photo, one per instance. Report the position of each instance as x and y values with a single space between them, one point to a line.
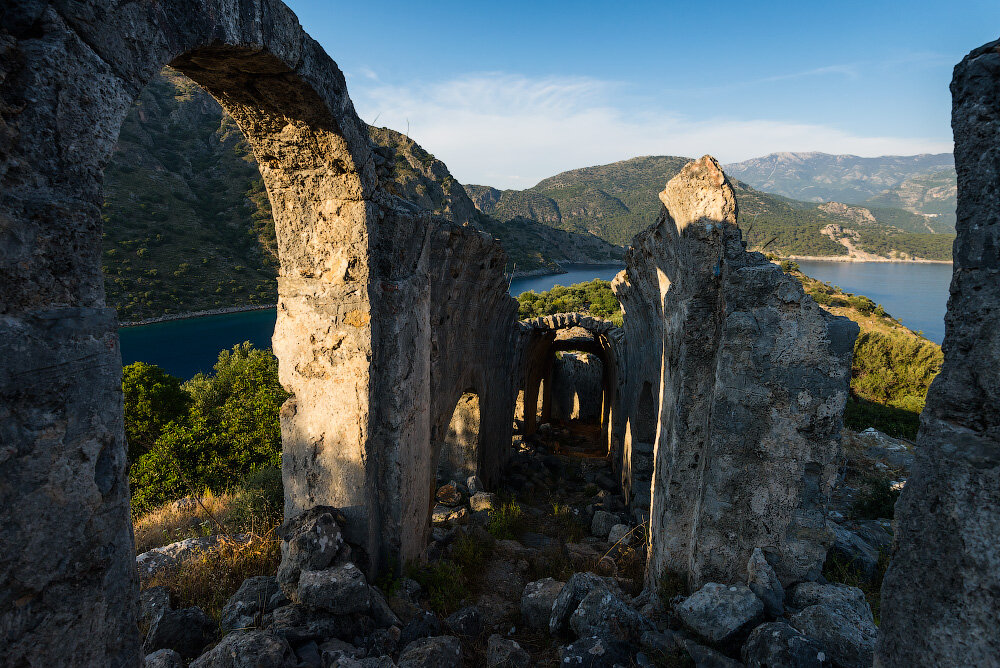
847 258
196 314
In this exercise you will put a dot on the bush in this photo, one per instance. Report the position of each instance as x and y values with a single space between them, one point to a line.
507 522
230 430
876 500
153 398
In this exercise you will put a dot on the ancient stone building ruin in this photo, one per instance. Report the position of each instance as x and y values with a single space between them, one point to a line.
721 398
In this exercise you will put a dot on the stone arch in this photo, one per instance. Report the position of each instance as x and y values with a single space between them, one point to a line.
353 301
459 442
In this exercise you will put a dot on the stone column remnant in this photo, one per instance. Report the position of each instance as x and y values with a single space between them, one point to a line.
753 382
941 594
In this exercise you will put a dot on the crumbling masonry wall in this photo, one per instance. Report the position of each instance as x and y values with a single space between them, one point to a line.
941 593
358 316
754 378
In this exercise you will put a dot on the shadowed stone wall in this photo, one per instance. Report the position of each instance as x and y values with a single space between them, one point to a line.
941 594
577 387
754 383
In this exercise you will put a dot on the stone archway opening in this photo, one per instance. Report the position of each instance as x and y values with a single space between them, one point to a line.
459 444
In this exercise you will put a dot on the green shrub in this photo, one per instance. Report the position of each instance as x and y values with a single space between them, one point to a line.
506 522
153 398
876 500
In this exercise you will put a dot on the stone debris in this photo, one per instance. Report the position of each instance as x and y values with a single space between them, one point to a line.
482 501
718 612
466 622
159 559
763 582
448 495
504 653
778 645
186 631
164 658
249 649
342 590
256 597
434 652
839 618
595 652
603 522
309 541
537 600
573 592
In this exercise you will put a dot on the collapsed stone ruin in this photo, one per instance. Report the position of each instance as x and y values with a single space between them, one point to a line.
720 400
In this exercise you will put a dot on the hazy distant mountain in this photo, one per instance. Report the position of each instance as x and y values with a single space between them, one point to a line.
618 200
923 184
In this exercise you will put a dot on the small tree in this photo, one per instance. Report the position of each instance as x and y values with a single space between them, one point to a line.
153 398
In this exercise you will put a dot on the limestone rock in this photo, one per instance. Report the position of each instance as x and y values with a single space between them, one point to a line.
448 495
309 542
765 584
152 603
466 622
620 533
718 613
603 522
381 611
838 616
443 514
248 649
852 549
342 590
434 652
187 631
778 645
747 344
482 501
255 598
504 653
575 590
706 657
603 614
159 559
423 625
537 600
475 485
164 658
595 653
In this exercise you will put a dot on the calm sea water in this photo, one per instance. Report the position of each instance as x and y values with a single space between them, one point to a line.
917 294
185 347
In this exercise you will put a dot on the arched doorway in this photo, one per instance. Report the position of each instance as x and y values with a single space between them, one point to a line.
353 302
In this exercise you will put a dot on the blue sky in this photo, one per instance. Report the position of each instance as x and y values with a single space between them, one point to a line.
509 93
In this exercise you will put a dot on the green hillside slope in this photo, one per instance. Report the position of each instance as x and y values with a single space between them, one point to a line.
618 200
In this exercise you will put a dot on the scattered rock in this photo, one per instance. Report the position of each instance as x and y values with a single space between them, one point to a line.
853 549
310 542
605 615
255 598
482 501
504 653
475 485
537 600
705 657
838 616
443 514
448 495
381 641
164 658
575 590
466 622
342 590
718 612
436 652
620 533
309 656
582 556
383 615
595 653
335 649
602 523
187 631
763 582
152 603
661 642
424 625
249 649
159 559
778 645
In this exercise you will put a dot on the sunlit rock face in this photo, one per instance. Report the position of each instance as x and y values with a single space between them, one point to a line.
941 594
752 379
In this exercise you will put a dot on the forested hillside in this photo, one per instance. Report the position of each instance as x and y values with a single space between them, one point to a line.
187 223
618 200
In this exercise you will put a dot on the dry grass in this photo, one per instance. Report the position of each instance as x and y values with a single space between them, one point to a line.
208 579
169 524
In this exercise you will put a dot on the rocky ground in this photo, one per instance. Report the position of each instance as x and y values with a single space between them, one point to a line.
547 571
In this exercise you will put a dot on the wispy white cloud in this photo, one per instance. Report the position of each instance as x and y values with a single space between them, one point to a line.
511 131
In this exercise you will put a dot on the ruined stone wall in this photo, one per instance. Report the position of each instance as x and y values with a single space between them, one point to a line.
473 348
753 387
361 333
459 448
577 387
941 593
